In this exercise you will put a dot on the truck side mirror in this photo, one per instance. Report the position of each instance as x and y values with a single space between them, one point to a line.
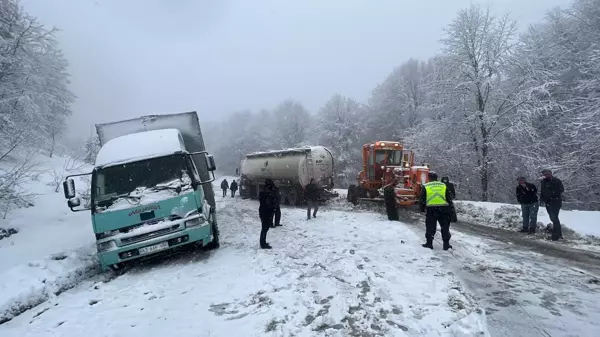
74 202
210 163
69 188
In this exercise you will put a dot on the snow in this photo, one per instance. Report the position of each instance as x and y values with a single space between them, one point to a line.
331 276
586 223
54 248
144 196
139 146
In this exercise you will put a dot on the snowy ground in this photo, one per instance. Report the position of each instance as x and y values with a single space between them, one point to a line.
580 228
343 274
54 248
582 222
525 293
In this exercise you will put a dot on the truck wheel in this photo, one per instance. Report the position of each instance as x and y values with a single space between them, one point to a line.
292 197
214 244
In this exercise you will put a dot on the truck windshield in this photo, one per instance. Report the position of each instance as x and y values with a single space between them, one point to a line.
111 183
394 157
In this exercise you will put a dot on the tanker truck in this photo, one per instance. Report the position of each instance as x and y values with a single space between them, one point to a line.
291 170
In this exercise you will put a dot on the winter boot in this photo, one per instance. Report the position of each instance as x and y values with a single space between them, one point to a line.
447 246
266 246
428 244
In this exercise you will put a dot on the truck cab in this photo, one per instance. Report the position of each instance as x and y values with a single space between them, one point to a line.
147 197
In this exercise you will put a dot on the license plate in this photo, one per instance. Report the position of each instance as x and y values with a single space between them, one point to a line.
154 248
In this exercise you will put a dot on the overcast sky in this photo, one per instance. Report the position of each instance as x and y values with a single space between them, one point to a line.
136 57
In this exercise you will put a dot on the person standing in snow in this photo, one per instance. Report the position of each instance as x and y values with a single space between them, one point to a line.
527 196
233 188
452 190
551 195
224 187
389 197
311 193
435 201
266 211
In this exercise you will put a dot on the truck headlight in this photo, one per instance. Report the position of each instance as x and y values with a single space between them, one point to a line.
195 222
107 245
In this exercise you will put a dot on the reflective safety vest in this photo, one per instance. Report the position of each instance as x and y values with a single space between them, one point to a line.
435 192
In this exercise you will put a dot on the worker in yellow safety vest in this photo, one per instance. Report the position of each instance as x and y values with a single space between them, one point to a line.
435 201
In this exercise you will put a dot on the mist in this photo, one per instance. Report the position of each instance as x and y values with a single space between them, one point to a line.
130 58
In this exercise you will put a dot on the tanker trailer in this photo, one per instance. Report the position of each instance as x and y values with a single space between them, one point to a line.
291 170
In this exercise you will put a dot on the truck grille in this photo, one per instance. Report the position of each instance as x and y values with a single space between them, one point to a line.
149 235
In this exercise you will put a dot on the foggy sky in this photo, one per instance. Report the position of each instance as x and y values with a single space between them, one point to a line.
136 57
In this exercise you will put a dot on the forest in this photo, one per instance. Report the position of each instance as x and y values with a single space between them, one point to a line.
495 104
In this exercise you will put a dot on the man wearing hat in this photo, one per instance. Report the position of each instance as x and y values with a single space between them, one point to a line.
527 196
551 194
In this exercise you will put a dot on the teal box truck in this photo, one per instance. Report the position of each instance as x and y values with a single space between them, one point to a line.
151 189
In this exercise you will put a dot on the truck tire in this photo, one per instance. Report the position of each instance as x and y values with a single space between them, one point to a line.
214 244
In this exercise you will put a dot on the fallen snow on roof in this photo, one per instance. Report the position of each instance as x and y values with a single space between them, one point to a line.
139 146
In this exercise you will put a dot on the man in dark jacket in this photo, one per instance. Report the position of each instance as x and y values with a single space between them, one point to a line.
277 208
452 191
527 196
266 210
233 188
435 200
551 194
224 187
312 198
389 197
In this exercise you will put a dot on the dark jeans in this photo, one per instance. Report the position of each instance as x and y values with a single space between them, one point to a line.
311 204
266 223
530 212
277 216
224 192
432 217
553 208
392 212
233 193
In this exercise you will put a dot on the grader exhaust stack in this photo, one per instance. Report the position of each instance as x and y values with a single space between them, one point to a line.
385 163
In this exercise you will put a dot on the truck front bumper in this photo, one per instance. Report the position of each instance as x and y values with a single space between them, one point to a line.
201 235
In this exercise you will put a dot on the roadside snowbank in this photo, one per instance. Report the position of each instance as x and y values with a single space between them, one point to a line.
26 286
32 269
49 226
583 223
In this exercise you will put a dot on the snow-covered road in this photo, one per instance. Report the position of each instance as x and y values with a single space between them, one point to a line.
526 290
343 274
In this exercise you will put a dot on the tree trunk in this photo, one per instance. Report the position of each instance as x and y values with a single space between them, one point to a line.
52 145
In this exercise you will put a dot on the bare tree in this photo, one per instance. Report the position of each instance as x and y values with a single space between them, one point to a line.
479 52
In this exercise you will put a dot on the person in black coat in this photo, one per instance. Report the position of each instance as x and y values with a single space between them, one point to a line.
452 192
233 187
266 211
527 196
224 187
389 197
551 194
312 198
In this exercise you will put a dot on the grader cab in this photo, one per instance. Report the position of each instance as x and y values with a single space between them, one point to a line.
388 163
